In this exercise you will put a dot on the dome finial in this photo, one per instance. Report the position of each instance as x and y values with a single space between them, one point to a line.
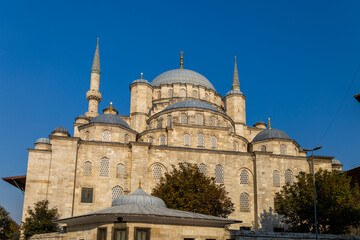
140 183
269 123
236 83
181 60
142 75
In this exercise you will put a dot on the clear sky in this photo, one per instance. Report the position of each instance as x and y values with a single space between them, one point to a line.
296 60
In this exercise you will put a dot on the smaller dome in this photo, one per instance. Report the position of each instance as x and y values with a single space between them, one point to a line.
139 197
61 130
83 116
335 162
140 81
270 134
110 119
259 123
191 104
43 140
110 110
236 91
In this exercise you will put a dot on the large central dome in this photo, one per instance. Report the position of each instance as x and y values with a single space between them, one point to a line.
182 76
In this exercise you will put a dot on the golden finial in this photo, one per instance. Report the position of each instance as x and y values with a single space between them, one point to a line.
140 183
110 108
142 75
269 123
181 60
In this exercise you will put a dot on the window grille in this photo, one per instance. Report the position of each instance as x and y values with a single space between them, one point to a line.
87 135
244 177
104 167
151 139
162 140
199 119
288 176
213 142
212 121
201 140
194 94
106 135
236 146
187 140
126 138
182 92
219 174
87 168
263 148
244 202
158 94
170 93
282 149
157 172
202 169
159 123
276 178
183 118
120 170
168 120
117 191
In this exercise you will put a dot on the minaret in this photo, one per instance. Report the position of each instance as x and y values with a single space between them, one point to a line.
93 95
235 104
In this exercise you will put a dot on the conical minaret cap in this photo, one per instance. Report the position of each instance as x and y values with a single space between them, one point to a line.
96 62
236 83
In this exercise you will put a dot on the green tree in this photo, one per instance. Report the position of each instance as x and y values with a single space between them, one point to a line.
9 229
187 189
40 219
338 205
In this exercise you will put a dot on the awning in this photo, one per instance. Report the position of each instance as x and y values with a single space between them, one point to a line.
17 181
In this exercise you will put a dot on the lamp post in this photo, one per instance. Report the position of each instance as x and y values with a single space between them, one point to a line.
313 174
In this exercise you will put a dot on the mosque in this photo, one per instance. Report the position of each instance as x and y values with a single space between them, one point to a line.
177 117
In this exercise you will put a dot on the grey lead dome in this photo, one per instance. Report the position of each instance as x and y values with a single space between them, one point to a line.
43 140
191 104
182 76
110 119
61 129
270 134
139 197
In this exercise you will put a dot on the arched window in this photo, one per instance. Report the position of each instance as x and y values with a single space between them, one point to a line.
201 140
183 118
288 176
87 135
157 172
182 92
194 94
212 121
159 123
213 142
150 139
170 93
126 138
282 149
276 178
202 168
106 135
244 202
206 96
117 191
104 167
87 168
187 139
235 146
162 140
168 120
219 174
263 148
221 123
244 177
120 170
199 119
158 94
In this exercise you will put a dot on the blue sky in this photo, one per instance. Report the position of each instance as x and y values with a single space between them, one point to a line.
296 60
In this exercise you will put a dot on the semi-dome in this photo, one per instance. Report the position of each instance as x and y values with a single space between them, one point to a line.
43 140
139 197
335 162
83 116
110 119
140 81
182 76
270 134
191 104
61 130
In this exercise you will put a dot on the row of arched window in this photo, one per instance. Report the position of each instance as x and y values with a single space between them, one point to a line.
106 136
200 140
184 119
104 168
288 175
183 93
282 149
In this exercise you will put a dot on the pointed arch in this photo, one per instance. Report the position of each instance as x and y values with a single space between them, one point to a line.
117 191
245 202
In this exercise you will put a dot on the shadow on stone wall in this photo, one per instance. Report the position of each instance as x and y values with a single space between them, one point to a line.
269 220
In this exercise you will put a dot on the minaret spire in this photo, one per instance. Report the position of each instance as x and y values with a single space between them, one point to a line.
236 83
96 62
